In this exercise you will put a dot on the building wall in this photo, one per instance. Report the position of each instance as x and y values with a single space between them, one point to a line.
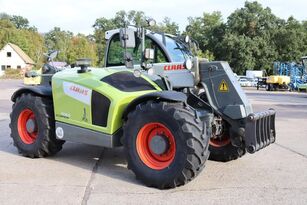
13 62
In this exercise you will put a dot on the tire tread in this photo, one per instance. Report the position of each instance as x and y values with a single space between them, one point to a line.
196 141
49 145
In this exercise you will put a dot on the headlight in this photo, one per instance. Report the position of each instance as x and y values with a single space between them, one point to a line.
137 73
187 39
188 64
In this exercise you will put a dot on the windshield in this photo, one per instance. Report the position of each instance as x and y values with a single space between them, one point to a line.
175 48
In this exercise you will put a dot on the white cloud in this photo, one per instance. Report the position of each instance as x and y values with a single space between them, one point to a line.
80 16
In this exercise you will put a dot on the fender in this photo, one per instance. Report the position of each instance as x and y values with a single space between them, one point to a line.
45 91
171 96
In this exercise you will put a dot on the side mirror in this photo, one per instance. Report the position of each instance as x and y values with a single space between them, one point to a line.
53 54
127 37
149 54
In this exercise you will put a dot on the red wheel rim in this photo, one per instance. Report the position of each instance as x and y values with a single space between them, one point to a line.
219 142
26 136
148 157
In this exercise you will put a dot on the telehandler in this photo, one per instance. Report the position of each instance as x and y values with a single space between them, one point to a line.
168 108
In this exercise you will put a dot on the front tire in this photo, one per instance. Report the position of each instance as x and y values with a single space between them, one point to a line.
178 159
32 126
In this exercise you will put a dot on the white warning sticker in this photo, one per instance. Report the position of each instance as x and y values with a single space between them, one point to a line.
77 92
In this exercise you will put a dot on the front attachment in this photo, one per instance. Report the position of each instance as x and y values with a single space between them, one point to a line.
260 130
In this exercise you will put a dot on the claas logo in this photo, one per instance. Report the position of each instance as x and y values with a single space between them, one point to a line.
78 90
174 67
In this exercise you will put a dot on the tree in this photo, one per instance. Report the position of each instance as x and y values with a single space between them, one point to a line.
101 25
29 41
81 47
256 27
252 20
4 16
291 40
207 31
167 26
71 47
251 38
60 40
202 29
20 22
137 18
245 40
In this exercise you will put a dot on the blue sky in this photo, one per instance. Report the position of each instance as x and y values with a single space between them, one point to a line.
78 17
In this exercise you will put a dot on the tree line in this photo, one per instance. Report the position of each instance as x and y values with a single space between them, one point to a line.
252 37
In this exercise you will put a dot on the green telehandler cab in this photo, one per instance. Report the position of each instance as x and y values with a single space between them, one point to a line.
170 110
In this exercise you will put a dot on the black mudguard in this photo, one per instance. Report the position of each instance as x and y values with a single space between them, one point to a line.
45 91
171 96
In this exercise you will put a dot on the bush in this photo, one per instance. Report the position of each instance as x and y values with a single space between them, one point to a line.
13 74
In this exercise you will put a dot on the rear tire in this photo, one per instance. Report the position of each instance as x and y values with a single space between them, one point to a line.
187 149
225 153
221 148
42 141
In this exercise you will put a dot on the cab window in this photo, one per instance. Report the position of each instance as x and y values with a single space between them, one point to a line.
176 50
116 52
